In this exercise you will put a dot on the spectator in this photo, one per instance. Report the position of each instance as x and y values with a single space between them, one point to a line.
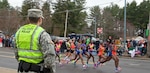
1 45
144 49
140 47
109 40
97 43
7 41
134 43
63 47
128 45
3 41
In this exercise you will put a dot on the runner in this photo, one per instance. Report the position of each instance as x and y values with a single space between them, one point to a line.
111 54
91 50
84 52
57 49
68 49
72 47
79 52
101 52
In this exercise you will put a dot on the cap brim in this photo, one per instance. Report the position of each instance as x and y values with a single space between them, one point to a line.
42 17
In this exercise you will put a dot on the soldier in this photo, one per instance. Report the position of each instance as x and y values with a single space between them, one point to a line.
35 49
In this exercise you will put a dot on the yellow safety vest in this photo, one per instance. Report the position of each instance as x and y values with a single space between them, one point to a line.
27 43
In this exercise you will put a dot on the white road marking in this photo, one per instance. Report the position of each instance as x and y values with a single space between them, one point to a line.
7 56
132 64
6 52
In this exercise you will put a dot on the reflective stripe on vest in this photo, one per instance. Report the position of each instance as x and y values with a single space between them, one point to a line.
27 42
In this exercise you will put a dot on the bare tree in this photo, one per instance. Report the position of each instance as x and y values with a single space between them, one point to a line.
9 21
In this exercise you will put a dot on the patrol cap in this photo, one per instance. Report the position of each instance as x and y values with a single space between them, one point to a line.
35 13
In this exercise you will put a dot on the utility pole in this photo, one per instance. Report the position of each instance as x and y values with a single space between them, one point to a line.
95 27
65 32
125 24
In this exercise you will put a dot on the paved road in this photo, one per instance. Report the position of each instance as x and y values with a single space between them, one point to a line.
9 65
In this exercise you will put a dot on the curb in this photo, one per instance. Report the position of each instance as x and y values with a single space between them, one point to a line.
136 57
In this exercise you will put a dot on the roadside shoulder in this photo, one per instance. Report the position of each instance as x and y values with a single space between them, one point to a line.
7 70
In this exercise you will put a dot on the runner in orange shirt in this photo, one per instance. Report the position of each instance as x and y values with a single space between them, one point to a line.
114 50
115 57
101 53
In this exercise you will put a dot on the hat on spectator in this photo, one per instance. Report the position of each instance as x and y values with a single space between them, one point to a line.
35 13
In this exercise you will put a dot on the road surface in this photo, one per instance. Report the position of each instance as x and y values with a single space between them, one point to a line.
8 64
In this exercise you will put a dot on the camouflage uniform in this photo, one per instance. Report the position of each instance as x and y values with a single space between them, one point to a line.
47 48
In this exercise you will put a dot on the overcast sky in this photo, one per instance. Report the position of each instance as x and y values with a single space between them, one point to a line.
89 3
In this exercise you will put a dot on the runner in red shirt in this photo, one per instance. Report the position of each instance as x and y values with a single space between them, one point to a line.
57 49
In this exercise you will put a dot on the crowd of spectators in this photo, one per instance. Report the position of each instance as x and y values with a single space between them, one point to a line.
7 41
137 47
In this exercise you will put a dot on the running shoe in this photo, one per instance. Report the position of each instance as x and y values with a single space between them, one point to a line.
98 63
87 65
60 64
84 66
95 65
74 63
67 61
60 55
117 70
